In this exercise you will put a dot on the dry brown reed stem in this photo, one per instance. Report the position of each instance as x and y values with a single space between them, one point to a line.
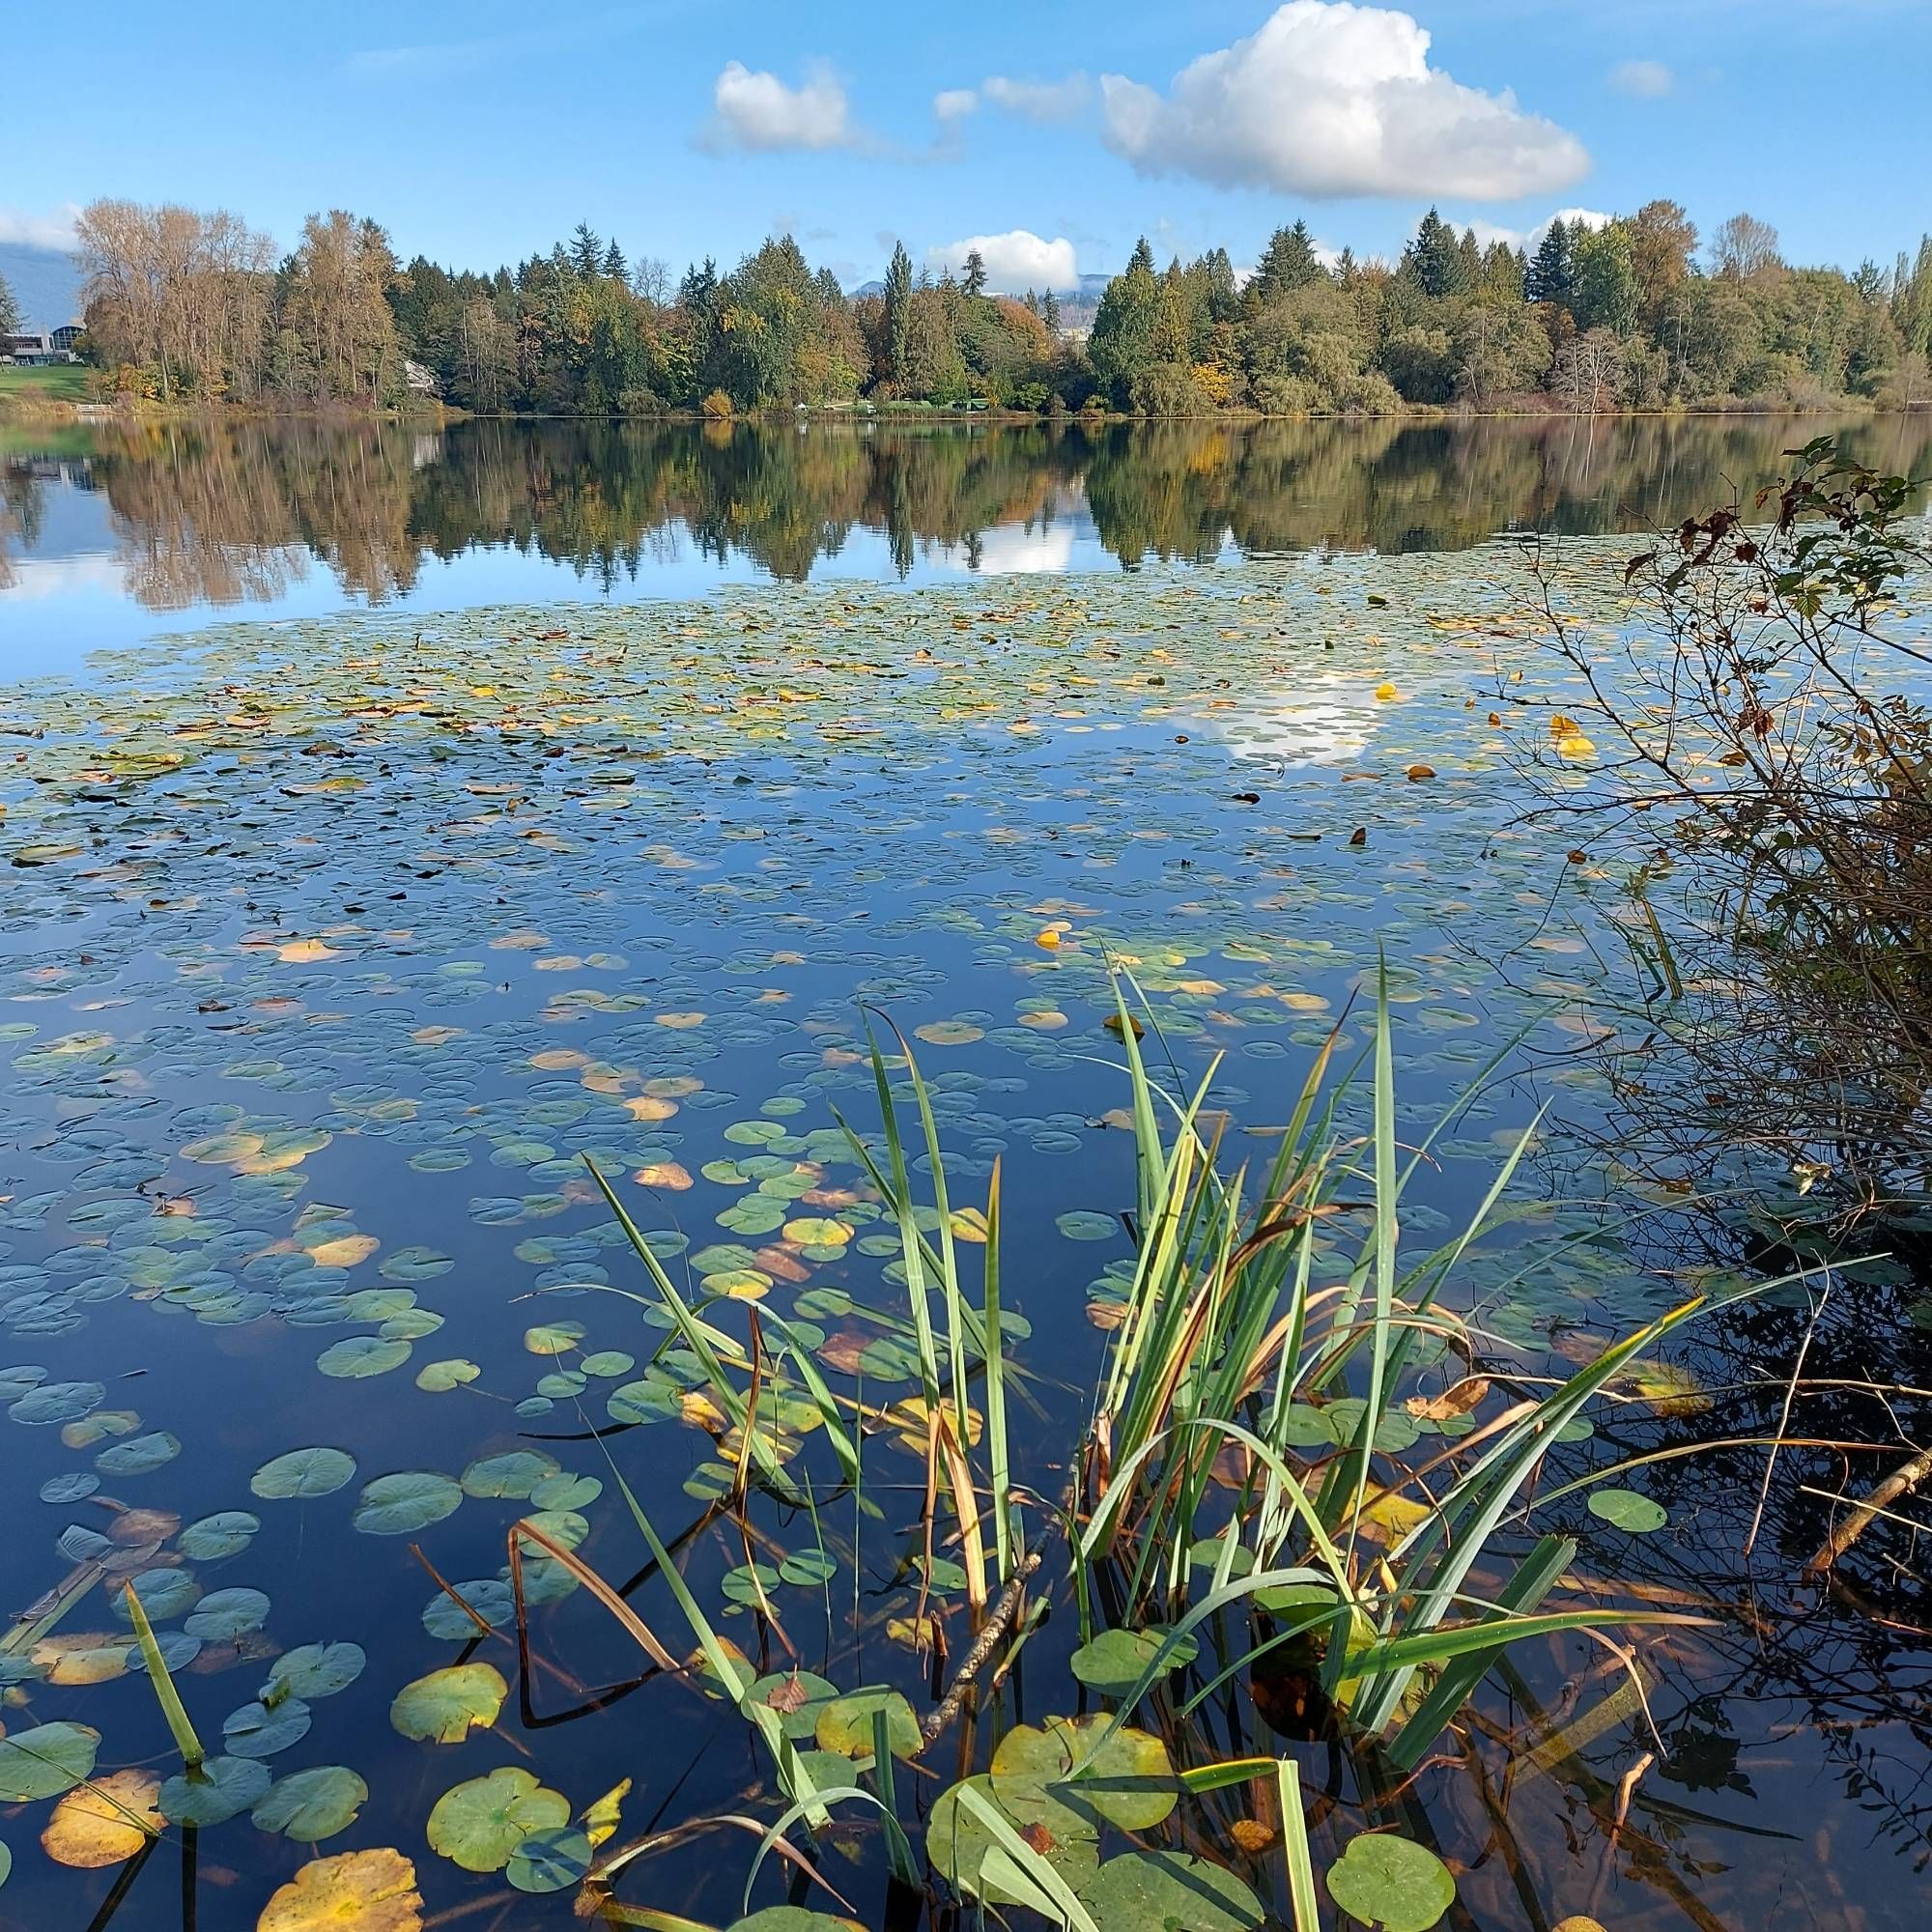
1902 1480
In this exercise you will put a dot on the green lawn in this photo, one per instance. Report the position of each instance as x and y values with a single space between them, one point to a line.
63 382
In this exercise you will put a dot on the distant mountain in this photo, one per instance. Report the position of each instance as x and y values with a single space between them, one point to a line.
45 282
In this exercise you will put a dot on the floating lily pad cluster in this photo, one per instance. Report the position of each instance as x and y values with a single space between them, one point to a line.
340 951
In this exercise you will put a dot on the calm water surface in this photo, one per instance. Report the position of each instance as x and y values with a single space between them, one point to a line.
108 536
335 943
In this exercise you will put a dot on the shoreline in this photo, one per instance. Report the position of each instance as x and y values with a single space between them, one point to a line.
21 412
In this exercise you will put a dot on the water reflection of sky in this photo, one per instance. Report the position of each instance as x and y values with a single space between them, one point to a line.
80 581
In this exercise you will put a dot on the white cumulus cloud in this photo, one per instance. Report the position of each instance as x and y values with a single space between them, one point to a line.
1040 99
955 104
1330 99
1015 262
761 114
53 230
1642 80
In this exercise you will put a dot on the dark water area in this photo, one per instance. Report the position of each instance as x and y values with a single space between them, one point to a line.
585 791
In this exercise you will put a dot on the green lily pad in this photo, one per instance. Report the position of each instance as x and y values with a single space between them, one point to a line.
808 1567
566 1493
445 1707
1152 1890
437 1378
480 1823
254 1730
1084 1224
845 1724
58 1401
1626 1508
223 1788
224 1615
164 1594
514 1473
310 1805
303 1473
313 1670
406 1502
227 1533
138 1455
962 1848
1388 1882
357 1356
1113 1663
1131 1781
549 1861
797 1696
45 1761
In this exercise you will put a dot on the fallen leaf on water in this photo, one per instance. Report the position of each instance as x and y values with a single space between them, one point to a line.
354 1891
104 1823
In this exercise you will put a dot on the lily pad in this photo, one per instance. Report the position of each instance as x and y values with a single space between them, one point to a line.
46 1760
845 1724
549 1861
224 1615
227 1533
223 1788
1113 1662
514 1473
314 1670
310 1805
1129 1782
254 1730
354 1892
480 1823
445 1707
58 1402
1161 1888
357 1357
1626 1508
303 1473
961 1847
400 1504
1390 1882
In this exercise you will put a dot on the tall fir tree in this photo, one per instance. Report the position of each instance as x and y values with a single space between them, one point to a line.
615 265
1551 277
587 251
898 316
1433 260
1287 262
976 273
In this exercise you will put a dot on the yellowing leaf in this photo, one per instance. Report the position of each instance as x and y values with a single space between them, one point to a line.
600 1819
356 1892
1391 1517
304 952
649 1107
105 1821
668 1175
1385 691
1049 940
346 1251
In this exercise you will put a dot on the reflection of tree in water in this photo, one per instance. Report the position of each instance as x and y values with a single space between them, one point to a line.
223 511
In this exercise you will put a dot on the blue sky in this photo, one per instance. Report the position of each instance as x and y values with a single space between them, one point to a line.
477 133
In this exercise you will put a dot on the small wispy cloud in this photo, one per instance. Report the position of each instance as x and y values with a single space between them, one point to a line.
1642 80
24 229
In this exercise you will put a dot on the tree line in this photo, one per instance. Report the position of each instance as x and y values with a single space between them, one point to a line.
1629 313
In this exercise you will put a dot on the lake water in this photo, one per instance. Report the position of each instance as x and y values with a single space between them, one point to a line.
399 823
107 537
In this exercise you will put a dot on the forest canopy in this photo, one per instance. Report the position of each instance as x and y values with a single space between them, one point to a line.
1594 317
